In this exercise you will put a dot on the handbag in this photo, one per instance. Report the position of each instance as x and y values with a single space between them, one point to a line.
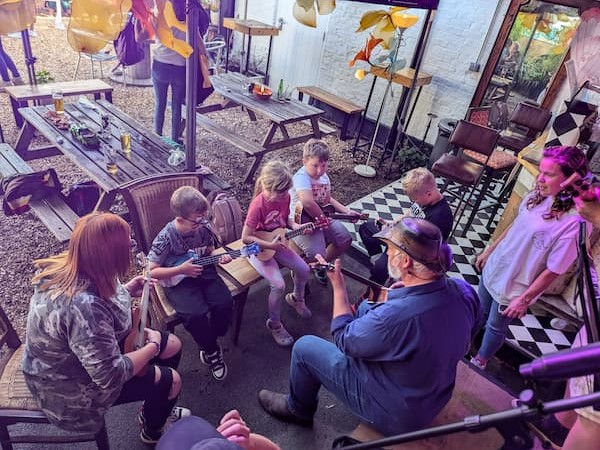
203 79
21 188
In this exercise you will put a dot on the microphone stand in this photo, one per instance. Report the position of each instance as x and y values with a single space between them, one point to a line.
508 423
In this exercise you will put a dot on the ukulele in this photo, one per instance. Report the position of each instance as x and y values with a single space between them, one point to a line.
244 252
377 292
139 315
284 235
301 216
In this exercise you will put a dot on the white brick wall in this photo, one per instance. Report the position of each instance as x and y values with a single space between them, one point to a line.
455 41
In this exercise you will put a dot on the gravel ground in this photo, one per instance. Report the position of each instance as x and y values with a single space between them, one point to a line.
24 238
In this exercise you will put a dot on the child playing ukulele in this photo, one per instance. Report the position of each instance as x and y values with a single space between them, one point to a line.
312 188
201 298
267 224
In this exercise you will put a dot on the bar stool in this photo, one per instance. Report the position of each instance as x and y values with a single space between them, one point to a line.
472 173
533 118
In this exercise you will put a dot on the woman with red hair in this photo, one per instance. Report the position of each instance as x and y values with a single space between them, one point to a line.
79 317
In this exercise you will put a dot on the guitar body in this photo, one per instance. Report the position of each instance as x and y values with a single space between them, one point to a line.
285 235
268 253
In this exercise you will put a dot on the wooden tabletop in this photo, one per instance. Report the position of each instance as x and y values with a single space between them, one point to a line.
231 85
148 155
250 27
26 92
404 76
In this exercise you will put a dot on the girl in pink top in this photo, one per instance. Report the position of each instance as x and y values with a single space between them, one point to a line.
266 224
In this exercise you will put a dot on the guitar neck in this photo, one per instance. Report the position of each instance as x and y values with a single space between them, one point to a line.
293 233
213 259
339 216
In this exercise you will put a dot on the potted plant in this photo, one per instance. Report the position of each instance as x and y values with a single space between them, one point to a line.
43 77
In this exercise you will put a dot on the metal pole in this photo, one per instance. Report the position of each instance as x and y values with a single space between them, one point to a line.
29 58
191 94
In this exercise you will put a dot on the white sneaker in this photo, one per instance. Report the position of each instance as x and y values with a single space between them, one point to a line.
17 81
480 365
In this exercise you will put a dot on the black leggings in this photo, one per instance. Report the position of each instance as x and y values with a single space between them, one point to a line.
157 405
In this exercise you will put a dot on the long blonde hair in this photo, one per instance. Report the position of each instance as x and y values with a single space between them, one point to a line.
275 176
98 254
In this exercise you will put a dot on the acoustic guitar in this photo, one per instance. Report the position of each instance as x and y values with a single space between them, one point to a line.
285 235
244 252
139 315
377 292
301 216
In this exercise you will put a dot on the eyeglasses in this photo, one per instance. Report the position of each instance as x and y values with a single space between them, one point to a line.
200 220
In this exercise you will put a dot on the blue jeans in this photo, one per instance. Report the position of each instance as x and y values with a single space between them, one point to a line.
496 325
6 64
163 76
317 362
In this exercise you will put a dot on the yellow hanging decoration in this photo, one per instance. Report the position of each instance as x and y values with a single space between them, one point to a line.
305 11
94 23
16 15
165 20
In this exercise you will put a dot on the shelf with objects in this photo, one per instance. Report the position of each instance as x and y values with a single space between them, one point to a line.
391 68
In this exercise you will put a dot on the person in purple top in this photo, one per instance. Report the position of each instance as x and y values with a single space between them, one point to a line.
393 365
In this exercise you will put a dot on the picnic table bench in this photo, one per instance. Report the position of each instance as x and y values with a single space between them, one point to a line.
349 109
58 217
23 94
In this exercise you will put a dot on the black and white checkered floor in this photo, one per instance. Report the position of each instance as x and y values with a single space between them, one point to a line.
533 334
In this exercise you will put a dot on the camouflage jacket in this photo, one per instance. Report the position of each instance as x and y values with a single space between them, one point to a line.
72 364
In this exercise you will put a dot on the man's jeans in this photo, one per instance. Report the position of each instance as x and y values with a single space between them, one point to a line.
317 362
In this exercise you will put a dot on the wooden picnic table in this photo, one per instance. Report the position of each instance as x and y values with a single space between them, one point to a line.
148 155
21 95
232 86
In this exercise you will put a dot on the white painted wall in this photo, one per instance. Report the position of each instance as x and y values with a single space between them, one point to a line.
456 38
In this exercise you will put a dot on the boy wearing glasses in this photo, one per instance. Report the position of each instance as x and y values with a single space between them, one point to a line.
198 294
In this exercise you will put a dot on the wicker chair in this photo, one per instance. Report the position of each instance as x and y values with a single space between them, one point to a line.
148 201
17 405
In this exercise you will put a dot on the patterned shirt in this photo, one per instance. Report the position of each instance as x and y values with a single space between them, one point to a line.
72 364
171 243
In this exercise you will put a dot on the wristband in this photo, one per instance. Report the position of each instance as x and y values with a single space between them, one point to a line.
150 341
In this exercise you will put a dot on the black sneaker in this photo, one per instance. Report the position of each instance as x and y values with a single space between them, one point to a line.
321 276
148 436
215 360
550 431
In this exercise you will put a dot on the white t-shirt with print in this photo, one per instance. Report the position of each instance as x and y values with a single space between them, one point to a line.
321 188
531 245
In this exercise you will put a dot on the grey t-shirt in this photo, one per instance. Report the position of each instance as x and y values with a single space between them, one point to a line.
171 243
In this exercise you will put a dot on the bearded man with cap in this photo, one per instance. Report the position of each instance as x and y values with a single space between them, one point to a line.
395 365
